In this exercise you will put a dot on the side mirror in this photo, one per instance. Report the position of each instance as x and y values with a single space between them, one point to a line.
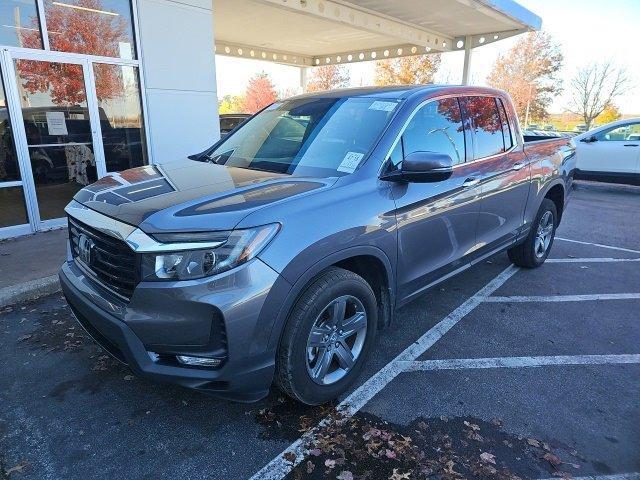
422 167
590 139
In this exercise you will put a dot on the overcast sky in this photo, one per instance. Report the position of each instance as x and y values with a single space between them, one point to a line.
587 30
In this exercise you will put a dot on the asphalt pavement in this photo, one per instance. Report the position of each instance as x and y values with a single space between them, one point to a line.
496 373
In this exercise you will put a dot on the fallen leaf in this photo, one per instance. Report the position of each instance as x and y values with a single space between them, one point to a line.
128 377
533 442
289 457
472 426
329 463
552 459
396 475
316 452
16 468
390 453
486 457
345 475
310 466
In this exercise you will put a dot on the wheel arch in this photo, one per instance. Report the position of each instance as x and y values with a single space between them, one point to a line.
359 260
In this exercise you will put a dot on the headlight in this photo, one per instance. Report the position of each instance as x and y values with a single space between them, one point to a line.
238 247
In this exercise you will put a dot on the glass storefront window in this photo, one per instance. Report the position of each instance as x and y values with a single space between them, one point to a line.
19 24
13 211
120 107
58 130
93 27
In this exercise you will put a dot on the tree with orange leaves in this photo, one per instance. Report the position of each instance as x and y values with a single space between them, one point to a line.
328 77
79 31
260 93
528 73
411 70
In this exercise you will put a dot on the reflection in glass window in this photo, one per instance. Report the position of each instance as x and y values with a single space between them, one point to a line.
485 121
506 129
19 24
13 211
93 27
627 133
9 170
58 131
436 127
119 102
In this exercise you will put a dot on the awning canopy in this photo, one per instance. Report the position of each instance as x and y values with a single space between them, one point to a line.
320 32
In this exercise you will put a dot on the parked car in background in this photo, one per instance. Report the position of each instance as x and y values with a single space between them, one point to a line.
282 252
581 127
229 121
610 152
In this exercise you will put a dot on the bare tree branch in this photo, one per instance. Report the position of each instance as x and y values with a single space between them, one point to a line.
595 87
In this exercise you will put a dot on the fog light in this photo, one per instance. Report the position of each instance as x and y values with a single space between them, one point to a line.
199 361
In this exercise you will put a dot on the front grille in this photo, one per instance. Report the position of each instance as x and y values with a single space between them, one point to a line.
108 260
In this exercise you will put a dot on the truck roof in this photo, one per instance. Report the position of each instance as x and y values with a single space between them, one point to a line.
398 91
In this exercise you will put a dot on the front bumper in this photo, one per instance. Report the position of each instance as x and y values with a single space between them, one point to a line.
228 316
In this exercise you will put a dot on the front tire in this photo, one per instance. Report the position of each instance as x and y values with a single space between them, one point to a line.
327 338
536 247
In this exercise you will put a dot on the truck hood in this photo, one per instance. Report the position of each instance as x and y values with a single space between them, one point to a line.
190 195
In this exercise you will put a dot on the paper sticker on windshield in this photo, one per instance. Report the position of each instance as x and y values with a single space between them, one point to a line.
382 105
350 162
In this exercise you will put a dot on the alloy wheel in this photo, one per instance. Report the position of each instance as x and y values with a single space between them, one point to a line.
544 234
336 340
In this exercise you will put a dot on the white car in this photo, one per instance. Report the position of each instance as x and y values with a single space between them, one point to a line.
610 152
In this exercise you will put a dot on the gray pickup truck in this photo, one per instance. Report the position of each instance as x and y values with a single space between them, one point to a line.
280 252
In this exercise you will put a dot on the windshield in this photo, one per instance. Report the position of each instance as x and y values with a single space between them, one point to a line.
309 137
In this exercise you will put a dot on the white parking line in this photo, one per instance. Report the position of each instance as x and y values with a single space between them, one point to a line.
564 298
611 247
520 362
618 476
279 467
591 260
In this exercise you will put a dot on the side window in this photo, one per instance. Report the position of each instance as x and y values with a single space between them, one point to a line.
506 129
486 125
436 127
629 132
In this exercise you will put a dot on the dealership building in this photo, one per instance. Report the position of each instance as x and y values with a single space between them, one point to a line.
97 86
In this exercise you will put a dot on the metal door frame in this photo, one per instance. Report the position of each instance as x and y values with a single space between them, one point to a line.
7 60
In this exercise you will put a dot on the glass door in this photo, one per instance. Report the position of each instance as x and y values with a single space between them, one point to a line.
63 146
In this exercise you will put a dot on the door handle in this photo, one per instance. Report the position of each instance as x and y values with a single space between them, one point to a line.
517 166
631 145
470 182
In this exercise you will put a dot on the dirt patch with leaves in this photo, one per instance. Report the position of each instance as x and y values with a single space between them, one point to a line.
366 447
52 326
284 419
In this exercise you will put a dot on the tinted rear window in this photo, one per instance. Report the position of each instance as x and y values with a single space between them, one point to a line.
486 124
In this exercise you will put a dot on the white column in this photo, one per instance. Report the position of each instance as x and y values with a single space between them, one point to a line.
178 59
467 60
304 79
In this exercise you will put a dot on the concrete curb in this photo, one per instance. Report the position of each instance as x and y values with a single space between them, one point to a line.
29 290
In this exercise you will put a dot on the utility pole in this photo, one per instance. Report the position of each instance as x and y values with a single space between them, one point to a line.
526 113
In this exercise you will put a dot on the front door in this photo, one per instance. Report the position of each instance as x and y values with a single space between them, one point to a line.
436 221
614 150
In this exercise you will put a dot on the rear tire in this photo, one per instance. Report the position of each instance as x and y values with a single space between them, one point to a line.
338 314
536 247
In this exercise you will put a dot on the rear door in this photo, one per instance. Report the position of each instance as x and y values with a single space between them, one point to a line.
436 221
504 172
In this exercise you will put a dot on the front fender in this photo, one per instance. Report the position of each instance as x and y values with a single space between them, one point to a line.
285 303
